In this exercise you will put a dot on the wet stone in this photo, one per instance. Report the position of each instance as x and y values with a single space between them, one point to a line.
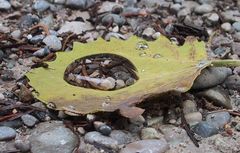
101 140
41 52
153 146
76 4
7 133
37 39
105 130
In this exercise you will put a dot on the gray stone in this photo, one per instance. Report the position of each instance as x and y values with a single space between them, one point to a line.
105 130
4 5
130 81
115 18
1 55
150 133
184 12
23 146
230 16
147 146
139 120
41 52
226 26
218 119
189 106
13 124
121 75
217 96
174 135
120 84
205 129
233 82
76 27
28 20
236 36
237 127
156 35
76 4
49 137
29 120
53 42
7 133
122 137
211 76
16 34
236 48
148 32
175 7
221 41
59 1
236 26
193 118
178 1
41 5
204 8
99 139
48 21
213 18
4 29
37 39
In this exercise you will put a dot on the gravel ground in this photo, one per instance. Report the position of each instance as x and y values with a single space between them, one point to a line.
31 31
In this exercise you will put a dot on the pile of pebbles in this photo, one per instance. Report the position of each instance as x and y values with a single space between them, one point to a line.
103 72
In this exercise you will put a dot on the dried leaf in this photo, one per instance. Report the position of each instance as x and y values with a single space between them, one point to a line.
164 67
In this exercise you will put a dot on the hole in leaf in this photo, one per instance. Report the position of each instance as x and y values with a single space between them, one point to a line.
102 72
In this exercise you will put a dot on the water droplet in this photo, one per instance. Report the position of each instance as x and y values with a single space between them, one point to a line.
142 45
157 56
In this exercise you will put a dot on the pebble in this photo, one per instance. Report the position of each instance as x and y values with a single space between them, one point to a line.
28 20
121 75
48 21
237 127
226 26
59 1
221 41
205 129
16 34
211 76
76 27
174 135
1 55
7 133
236 36
183 12
25 95
204 8
176 7
147 146
236 48
115 18
156 35
130 81
217 96
233 82
49 137
53 42
29 120
236 26
120 84
37 39
23 146
218 119
41 52
122 137
101 140
41 5
76 4
4 29
150 133
17 123
221 51
193 118
4 5
105 130
139 120
213 18
189 106
148 32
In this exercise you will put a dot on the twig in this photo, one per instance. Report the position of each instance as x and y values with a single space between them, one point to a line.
43 26
186 127
67 40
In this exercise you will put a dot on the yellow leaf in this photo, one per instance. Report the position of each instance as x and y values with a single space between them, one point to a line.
164 67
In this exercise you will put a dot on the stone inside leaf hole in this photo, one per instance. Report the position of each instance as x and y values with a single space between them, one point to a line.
102 72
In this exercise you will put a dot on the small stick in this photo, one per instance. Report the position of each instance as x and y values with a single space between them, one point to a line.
186 127
43 26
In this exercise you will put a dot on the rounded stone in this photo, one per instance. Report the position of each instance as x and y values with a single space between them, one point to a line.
105 130
4 5
236 26
7 133
226 26
205 129
193 118
53 42
204 8
29 120
22 146
41 5
150 133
